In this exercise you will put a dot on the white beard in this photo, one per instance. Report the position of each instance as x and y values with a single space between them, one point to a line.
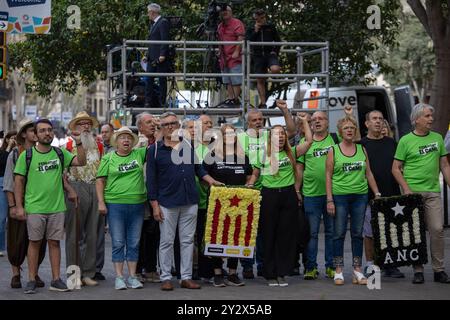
89 143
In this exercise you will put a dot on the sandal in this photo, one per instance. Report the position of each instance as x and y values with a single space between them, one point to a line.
359 278
339 279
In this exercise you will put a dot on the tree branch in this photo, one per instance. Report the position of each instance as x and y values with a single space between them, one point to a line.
420 12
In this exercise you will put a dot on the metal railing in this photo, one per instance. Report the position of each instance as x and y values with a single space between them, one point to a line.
118 94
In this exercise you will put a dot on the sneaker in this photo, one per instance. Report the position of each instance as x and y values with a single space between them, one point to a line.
2 254
282 282
330 273
418 278
86 281
99 276
120 284
155 277
39 282
58 285
248 274
393 273
233 280
15 282
311 274
218 281
134 283
272 283
30 288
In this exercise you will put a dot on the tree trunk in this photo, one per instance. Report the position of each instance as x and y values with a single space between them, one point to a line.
440 93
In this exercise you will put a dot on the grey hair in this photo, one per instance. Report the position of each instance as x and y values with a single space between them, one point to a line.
417 112
140 116
253 110
185 122
167 114
154 7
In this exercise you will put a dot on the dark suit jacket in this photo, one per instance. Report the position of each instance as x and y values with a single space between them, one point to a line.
159 31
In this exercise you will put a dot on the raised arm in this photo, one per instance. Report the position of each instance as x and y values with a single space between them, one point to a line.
302 148
290 125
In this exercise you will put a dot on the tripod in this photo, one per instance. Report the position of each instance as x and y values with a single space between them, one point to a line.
173 90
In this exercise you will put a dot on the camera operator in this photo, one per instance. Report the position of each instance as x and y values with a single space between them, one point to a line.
231 29
157 57
263 57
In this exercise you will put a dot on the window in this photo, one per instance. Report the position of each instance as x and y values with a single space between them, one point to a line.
100 112
95 107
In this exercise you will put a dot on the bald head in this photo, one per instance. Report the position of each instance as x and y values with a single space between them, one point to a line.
255 119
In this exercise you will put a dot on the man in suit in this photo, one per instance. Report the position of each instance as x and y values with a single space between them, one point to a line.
157 59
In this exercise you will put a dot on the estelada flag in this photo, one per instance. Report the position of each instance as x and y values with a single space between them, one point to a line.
232 222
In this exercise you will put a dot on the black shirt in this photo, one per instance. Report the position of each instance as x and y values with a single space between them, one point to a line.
381 156
3 157
231 173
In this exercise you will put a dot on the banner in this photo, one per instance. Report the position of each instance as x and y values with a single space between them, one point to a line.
27 16
232 222
399 231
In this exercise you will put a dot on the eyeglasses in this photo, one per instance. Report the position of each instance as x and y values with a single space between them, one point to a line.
173 124
86 123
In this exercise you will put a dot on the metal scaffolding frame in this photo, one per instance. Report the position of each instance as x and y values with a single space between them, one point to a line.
300 49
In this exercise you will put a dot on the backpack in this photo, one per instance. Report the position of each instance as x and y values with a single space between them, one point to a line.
29 155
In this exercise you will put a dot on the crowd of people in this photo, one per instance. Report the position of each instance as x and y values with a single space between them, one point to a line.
152 189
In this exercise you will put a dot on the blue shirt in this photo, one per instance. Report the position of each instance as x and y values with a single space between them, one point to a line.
172 181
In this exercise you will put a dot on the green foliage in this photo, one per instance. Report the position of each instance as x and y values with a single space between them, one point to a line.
67 57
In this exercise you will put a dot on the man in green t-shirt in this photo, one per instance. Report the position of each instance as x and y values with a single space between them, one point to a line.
312 168
419 157
254 143
39 185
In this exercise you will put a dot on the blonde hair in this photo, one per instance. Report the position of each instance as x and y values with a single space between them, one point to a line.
342 121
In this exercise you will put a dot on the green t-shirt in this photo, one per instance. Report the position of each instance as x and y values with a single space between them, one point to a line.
44 192
349 175
284 177
314 161
201 151
421 156
254 149
124 177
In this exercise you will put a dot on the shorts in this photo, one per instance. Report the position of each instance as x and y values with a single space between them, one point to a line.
235 81
367 230
261 64
49 225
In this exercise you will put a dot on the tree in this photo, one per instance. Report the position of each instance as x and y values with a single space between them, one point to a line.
435 18
412 60
67 57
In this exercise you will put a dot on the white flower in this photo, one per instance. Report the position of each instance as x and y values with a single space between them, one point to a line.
416 226
381 225
393 232
405 235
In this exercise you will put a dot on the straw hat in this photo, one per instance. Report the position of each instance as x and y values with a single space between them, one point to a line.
121 131
83 115
22 125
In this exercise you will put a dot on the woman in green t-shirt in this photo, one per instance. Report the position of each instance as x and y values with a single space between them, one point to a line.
279 204
347 174
121 195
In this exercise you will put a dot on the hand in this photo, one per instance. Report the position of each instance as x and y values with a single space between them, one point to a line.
407 191
76 135
303 116
102 208
299 198
73 197
156 122
235 55
377 196
144 59
249 185
216 183
282 105
257 26
11 143
348 109
20 214
162 58
331 209
157 213
13 212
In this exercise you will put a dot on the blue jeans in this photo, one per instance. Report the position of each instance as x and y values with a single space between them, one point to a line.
3 215
353 205
315 209
125 225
